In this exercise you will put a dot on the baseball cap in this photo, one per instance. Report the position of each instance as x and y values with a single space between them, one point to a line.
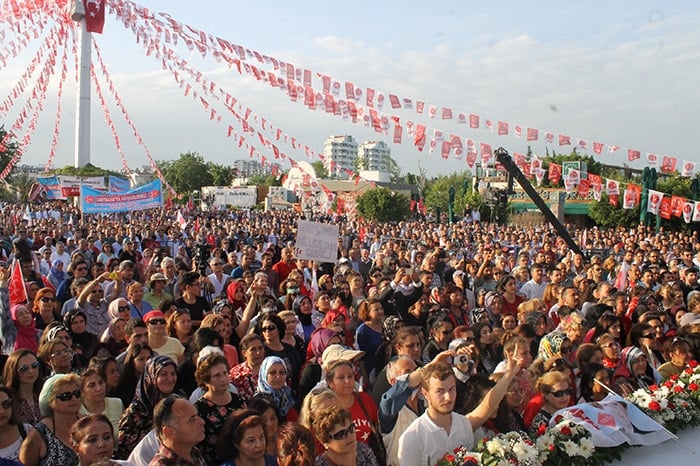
458 343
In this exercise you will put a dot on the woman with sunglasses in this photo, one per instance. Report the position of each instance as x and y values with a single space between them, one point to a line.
158 338
57 356
12 431
157 381
336 431
49 443
556 391
22 376
272 380
272 329
45 308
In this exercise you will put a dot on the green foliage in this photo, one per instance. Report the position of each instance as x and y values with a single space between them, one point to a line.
321 172
437 191
264 180
188 173
674 185
8 149
383 205
606 215
222 174
18 187
86 170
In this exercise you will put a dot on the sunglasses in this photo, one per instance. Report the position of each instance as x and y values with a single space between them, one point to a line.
81 269
217 264
341 434
7 404
650 336
268 329
97 291
47 300
67 396
122 308
156 322
62 353
560 393
26 367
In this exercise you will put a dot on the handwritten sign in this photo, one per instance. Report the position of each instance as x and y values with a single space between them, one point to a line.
317 241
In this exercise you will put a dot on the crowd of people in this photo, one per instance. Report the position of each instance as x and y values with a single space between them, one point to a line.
135 340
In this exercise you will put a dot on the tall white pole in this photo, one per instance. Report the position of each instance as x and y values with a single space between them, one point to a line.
82 114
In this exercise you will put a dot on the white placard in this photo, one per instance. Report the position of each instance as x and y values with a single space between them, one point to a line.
317 241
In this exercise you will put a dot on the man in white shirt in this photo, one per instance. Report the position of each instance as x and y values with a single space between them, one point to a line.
61 254
440 430
534 288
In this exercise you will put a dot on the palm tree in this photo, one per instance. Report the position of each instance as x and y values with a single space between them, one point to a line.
19 186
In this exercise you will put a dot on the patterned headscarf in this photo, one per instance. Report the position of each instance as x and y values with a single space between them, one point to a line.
284 400
476 314
550 344
390 327
147 392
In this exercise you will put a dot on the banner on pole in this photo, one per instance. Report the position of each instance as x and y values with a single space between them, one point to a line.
149 196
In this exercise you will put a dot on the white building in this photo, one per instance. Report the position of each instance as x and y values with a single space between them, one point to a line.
339 154
375 156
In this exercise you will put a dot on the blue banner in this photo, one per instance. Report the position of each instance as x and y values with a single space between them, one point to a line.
52 187
118 185
149 196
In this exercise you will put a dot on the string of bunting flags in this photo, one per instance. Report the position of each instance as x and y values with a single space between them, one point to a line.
33 105
127 118
57 120
665 205
319 91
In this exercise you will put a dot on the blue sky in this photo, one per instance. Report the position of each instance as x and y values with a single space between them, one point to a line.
622 73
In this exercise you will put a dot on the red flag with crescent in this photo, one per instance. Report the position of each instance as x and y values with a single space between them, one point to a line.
94 15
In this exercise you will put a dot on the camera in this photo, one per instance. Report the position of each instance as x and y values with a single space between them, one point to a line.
463 359
202 252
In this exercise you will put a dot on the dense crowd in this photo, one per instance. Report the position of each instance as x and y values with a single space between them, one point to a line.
133 339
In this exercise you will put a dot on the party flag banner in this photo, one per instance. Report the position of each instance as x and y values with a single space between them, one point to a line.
148 196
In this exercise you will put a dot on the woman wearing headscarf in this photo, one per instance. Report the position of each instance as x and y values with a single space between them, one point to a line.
386 350
57 274
157 381
302 307
312 370
634 372
84 343
273 381
114 336
493 302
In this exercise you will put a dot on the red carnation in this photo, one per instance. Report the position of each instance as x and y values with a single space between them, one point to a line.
450 458
456 450
655 406
653 388
551 447
677 389
689 371
565 430
693 364
541 429
667 384
674 377
693 387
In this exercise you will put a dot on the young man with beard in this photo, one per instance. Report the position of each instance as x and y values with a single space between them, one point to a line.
440 430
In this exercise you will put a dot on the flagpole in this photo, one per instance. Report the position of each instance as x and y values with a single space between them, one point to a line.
82 114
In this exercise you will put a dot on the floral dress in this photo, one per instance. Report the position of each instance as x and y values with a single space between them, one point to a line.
214 416
365 457
57 452
245 381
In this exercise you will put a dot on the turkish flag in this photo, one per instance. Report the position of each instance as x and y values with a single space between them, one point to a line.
94 15
18 292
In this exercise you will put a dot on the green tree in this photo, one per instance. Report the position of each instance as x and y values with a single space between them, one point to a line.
8 149
86 170
437 192
222 174
606 215
19 186
320 170
188 173
383 205
264 180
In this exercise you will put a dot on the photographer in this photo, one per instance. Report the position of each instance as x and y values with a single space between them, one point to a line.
191 298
